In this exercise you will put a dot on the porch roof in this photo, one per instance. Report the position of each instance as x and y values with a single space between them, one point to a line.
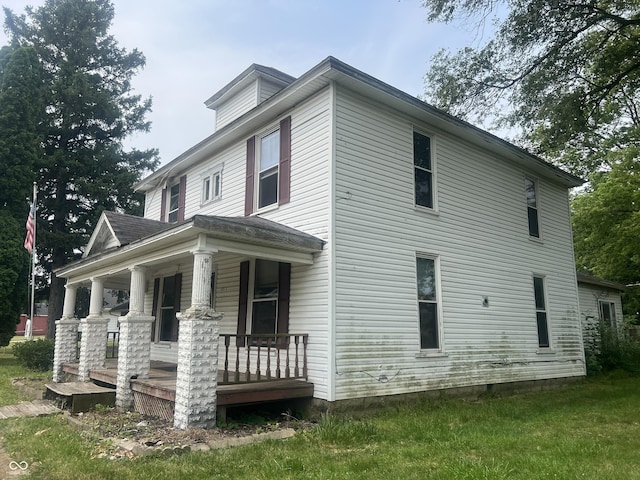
237 234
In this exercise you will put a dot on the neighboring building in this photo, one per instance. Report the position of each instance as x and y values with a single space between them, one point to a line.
38 327
416 251
600 300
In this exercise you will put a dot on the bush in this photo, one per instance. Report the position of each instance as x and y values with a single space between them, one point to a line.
35 354
607 349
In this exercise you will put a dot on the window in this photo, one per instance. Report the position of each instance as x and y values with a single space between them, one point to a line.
268 162
608 313
172 203
423 170
265 297
166 303
268 169
541 312
266 301
532 207
211 186
428 303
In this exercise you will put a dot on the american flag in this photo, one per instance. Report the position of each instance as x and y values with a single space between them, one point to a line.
31 228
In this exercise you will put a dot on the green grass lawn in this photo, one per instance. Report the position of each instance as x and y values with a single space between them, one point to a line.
586 431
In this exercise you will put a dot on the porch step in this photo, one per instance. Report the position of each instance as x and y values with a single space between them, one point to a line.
80 396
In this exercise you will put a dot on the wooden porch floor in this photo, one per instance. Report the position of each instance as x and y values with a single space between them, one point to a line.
161 384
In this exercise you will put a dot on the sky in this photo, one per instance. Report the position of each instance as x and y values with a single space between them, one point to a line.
193 48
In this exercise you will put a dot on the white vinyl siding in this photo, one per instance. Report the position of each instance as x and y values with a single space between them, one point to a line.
590 296
236 106
480 237
268 89
307 211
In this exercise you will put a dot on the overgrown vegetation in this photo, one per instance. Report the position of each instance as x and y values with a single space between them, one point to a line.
35 355
608 349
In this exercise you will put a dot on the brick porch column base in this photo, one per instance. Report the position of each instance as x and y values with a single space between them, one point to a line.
197 381
134 356
66 345
93 347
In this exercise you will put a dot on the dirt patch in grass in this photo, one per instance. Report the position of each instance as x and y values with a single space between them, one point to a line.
129 434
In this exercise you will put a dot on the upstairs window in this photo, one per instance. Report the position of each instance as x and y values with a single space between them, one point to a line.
269 159
541 312
268 169
172 203
423 170
211 187
532 207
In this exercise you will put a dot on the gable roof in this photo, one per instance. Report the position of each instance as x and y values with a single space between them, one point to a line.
118 229
600 282
333 70
235 231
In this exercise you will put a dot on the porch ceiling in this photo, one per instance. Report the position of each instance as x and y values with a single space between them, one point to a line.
250 236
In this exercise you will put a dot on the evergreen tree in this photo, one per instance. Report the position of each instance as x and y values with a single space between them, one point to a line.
14 266
90 109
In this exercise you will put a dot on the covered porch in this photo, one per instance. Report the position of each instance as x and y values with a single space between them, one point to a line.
172 361
276 375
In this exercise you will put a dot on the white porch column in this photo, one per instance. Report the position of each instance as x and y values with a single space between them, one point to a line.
93 347
198 338
66 340
134 349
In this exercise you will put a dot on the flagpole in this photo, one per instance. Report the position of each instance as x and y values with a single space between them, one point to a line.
33 264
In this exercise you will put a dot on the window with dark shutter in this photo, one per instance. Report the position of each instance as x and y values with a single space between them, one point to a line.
284 292
243 303
268 169
154 307
248 191
168 305
163 205
269 301
182 193
284 178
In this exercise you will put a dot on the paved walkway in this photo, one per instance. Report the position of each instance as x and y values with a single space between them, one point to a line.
9 467
29 409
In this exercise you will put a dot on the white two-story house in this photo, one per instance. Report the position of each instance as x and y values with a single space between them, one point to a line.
387 246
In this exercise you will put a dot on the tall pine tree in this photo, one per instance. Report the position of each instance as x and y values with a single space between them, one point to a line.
83 167
21 116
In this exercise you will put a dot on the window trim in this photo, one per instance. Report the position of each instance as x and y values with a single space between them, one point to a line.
159 285
165 200
613 322
433 150
210 177
258 172
176 210
439 350
251 195
545 310
246 298
536 190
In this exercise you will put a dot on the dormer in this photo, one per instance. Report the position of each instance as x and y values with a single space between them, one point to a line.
249 89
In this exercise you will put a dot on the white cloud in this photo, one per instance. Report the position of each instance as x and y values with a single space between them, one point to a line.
194 48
